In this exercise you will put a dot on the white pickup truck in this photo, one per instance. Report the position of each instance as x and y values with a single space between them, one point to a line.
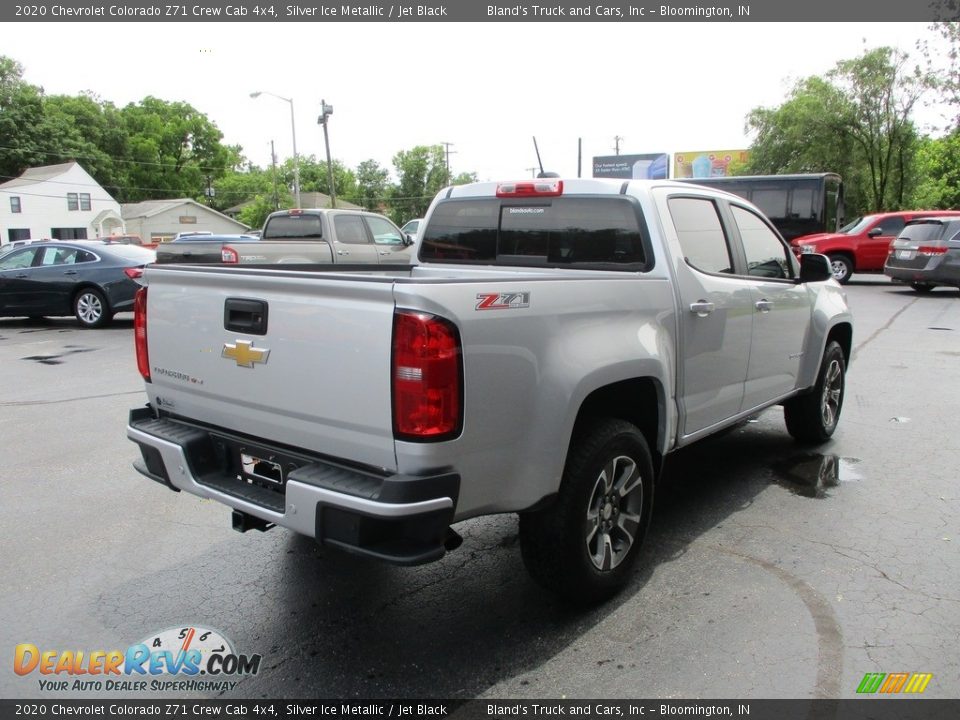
555 341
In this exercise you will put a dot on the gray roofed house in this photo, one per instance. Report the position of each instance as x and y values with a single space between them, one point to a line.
161 220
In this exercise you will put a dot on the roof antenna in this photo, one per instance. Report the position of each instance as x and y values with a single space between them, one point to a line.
543 173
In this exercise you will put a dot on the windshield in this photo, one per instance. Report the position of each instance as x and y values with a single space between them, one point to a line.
553 232
857 225
293 226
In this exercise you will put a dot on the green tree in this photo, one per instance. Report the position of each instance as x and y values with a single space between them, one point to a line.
422 172
938 171
855 121
92 132
256 212
237 187
174 150
464 178
882 92
943 67
314 177
25 135
372 183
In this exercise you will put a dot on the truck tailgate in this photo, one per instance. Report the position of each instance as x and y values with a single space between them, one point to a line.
315 375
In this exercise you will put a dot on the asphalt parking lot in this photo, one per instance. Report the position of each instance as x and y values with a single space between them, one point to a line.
771 570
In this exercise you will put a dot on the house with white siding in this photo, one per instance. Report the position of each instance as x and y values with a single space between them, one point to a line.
62 202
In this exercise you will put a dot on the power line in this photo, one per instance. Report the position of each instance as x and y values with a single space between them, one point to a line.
99 159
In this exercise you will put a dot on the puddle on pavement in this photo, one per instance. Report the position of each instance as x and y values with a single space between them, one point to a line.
813 475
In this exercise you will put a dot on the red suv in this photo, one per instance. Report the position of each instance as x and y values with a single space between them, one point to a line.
862 246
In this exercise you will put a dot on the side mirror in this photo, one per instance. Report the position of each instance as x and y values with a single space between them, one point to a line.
815 267
408 239
875 232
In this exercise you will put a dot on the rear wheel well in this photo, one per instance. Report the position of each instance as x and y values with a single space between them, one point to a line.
638 401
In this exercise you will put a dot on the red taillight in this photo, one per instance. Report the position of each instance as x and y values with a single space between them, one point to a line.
133 273
140 332
931 250
229 255
530 188
426 375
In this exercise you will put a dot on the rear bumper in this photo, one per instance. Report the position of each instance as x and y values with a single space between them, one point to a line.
940 274
395 518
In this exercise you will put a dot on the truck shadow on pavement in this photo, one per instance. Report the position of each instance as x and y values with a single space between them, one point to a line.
331 625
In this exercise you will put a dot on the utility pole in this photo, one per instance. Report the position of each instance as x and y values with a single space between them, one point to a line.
325 112
616 144
273 165
533 171
447 152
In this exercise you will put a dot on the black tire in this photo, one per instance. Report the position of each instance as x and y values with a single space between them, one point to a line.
91 309
922 288
842 267
813 416
584 545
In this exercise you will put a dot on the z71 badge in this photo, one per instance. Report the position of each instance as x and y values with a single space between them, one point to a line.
503 301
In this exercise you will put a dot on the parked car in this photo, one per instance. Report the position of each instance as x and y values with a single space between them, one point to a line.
926 254
188 233
200 248
411 227
862 245
128 240
14 244
90 279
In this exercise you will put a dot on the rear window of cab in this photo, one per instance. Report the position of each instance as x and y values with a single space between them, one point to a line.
591 232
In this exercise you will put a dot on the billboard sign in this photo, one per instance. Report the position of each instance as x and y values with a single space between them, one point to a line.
708 163
652 166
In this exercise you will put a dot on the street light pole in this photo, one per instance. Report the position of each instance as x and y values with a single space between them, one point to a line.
325 112
293 130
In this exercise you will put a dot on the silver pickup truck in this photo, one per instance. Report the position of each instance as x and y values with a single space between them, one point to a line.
555 341
307 236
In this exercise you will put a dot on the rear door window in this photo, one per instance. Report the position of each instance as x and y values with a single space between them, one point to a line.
601 232
350 229
700 232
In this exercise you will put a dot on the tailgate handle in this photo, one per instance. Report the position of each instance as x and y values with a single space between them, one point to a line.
245 316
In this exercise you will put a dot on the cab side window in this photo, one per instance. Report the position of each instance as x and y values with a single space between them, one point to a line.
766 255
350 229
701 235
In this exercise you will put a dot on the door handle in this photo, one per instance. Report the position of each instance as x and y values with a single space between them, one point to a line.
69 272
343 252
702 308
763 306
21 275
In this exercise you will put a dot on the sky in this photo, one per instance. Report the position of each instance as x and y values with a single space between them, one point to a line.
487 89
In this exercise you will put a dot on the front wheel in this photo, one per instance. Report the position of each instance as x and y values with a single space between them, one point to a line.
585 544
922 288
90 308
813 416
842 267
